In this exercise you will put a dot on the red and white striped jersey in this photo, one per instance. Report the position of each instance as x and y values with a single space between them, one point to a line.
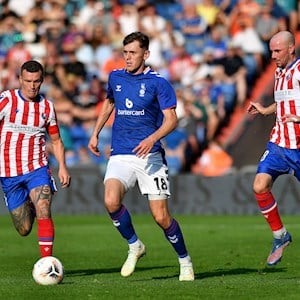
23 128
287 97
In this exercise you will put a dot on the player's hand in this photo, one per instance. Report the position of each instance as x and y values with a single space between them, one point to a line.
144 147
93 145
64 177
290 118
254 108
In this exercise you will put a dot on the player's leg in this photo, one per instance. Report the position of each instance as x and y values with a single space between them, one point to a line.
269 209
114 193
41 185
18 203
120 177
41 198
173 233
23 217
155 183
262 185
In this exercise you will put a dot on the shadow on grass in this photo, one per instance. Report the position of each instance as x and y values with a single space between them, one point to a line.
199 275
88 272
229 272
238 271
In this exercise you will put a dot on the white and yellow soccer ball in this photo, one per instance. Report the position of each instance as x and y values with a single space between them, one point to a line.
48 271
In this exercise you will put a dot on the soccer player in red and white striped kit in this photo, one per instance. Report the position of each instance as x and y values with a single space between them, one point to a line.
26 117
282 155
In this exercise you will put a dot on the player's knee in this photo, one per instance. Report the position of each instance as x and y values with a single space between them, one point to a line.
162 220
260 188
261 185
112 206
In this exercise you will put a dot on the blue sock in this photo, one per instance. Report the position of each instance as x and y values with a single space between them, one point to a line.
122 221
175 237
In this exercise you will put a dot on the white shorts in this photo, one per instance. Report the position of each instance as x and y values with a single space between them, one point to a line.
151 173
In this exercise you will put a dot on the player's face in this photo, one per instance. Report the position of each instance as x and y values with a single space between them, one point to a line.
281 52
135 57
30 84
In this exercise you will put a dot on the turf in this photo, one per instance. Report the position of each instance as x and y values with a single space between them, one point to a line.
228 252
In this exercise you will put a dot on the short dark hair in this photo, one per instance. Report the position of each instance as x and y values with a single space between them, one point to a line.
32 66
137 36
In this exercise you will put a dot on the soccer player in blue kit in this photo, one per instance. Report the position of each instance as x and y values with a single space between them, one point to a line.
144 112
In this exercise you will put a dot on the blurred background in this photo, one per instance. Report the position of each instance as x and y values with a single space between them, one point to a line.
214 53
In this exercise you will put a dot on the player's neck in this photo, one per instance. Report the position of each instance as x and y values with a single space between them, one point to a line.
139 70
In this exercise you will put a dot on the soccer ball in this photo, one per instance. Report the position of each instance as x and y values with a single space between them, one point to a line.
48 271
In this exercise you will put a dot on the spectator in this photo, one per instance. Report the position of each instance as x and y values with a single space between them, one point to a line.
289 11
253 52
21 10
209 119
151 23
214 161
215 93
266 26
84 53
129 19
116 61
82 126
181 65
246 10
75 67
63 107
217 41
175 144
115 33
103 52
86 14
234 72
209 11
191 123
100 16
193 28
9 30
171 38
18 53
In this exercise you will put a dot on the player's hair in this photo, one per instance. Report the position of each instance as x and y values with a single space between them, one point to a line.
137 36
32 66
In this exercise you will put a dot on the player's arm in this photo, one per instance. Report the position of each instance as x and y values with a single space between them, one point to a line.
59 153
169 124
256 108
106 111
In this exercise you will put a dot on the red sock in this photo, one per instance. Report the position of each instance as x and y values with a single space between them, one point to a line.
45 236
269 209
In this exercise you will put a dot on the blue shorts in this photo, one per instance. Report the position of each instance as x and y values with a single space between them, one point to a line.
16 189
277 161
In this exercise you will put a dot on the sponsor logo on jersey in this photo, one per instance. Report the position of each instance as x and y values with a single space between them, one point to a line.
128 103
125 112
129 112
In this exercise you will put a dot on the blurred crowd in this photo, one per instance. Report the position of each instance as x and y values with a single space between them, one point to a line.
212 51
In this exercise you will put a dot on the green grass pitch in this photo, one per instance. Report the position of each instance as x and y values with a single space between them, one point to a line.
228 253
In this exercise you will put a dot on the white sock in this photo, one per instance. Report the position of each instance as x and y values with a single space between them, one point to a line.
185 260
135 245
278 234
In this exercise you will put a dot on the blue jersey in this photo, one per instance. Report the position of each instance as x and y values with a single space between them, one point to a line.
139 101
